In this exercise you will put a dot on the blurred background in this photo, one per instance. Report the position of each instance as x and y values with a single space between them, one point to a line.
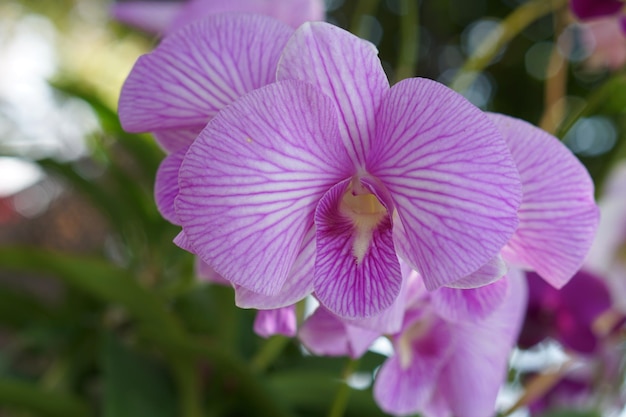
100 314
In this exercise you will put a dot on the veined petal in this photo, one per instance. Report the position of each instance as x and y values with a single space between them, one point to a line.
451 177
490 272
483 348
174 140
149 16
472 304
298 284
325 56
292 12
558 215
250 182
200 69
182 241
166 185
325 334
276 321
357 272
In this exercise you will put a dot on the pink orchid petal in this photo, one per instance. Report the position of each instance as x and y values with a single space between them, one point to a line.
591 9
325 56
174 140
558 215
407 381
348 286
472 304
166 185
298 284
292 12
200 69
182 241
149 16
483 349
250 182
325 334
490 272
277 321
451 176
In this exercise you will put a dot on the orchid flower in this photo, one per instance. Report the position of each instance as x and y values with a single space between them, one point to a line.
166 17
442 368
330 161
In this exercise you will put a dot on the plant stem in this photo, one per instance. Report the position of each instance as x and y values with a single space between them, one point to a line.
409 43
268 353
188 381
343 393
363 7
510 27
556 83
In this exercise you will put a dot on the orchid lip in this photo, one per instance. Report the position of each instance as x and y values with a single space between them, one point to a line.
366 212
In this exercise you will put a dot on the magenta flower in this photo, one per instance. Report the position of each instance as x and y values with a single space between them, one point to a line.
167 17
442 367
331 162
588 10
567 315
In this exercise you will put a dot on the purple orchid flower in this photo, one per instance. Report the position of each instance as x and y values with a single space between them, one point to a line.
441 367
587 10
567 315
332 162
166 17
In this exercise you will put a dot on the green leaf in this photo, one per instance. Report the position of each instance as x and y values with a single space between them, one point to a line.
18 309
135 385
28 397
98 278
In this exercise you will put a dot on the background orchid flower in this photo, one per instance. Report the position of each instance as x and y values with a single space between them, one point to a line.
592 9
434 367
330 151
166 17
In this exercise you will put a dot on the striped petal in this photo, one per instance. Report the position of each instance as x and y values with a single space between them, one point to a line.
471 304
250 182
357 272
198 70
166 185
298 284
325 56
451 177
558 215
174 140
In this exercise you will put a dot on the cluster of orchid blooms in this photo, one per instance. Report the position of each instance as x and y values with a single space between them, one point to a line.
296 170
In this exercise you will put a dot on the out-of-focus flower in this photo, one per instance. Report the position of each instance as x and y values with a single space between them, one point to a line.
567 315
442 367
606 43
592 9
331 157
166 17
277 321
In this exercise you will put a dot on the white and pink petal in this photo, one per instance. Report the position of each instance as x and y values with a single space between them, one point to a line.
250 182
200 69
326 56
558 215
451 176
